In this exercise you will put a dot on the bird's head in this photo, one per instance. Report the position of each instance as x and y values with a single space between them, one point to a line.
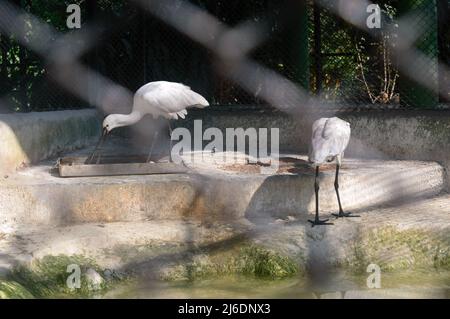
109 123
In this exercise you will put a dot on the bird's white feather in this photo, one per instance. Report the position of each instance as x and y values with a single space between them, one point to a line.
160 98
330 138
167 99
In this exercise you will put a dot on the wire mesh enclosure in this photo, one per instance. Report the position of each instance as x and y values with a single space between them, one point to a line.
306 42
354 68
24 82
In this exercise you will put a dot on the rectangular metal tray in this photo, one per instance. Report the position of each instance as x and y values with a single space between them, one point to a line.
116 165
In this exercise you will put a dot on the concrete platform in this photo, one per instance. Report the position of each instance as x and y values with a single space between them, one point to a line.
213 191
394 134
167 226
28 138
405 237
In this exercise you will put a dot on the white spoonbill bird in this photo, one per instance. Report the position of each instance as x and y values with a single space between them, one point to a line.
330 137
159 99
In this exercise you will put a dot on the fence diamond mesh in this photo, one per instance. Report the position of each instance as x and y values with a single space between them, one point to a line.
305 42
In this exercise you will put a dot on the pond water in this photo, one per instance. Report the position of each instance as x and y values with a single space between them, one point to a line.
336 285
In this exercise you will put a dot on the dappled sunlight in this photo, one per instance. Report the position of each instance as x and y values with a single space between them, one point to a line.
12 155
233 97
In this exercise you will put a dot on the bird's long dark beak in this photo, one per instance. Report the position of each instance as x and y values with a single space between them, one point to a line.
99 144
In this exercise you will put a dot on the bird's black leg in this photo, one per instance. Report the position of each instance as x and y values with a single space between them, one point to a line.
316 220
155 137
97 147
336 187
170 141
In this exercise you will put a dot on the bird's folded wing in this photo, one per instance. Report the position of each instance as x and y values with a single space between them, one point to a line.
330 137
337 132
175 99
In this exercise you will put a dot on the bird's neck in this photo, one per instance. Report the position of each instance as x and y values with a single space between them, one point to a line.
129 119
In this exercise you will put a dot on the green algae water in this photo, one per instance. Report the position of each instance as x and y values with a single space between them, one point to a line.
47 278
336 285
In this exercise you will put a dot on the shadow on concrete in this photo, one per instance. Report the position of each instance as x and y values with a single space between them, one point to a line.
262 212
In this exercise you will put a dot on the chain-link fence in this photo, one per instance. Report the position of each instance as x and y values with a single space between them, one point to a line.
292 55
305 42
353 68
24 82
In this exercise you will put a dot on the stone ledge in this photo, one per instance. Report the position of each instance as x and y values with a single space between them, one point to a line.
402 135
36 196
406 237
27 138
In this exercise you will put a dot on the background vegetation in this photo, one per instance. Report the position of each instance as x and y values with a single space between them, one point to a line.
354 68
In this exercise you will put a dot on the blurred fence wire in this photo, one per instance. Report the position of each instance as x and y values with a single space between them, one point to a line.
258 53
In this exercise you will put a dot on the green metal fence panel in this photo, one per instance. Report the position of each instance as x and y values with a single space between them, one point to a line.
423 13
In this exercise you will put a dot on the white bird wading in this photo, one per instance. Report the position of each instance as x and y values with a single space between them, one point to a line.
330 137
159 99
